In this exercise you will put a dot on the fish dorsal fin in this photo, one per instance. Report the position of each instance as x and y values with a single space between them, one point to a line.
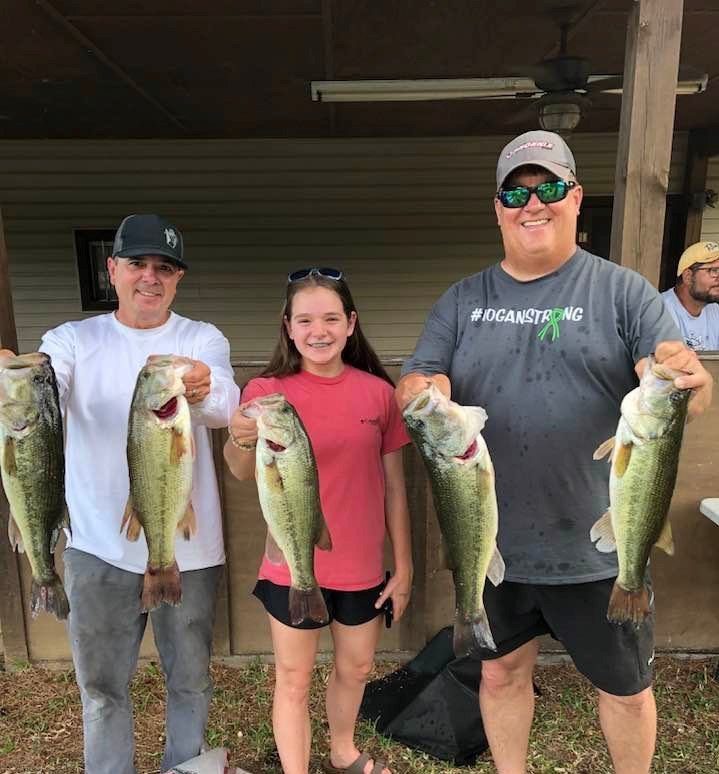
324 540
604 449
15 536
495 571
188 523
602 534
272 551
9 463
665 541
621 459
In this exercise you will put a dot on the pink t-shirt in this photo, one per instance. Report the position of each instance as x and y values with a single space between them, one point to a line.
352 420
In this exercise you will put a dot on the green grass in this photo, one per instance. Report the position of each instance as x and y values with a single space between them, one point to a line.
41 728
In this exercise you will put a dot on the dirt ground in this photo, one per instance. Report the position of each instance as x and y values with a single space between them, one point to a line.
41 727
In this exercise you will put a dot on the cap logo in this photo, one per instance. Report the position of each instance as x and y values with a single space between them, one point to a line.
544 144
171 237
710 247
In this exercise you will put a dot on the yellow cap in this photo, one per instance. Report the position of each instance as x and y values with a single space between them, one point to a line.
700 252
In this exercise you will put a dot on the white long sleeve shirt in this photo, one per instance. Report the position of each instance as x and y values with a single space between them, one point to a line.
96 362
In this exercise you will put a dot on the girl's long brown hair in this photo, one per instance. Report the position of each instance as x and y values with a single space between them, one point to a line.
358 351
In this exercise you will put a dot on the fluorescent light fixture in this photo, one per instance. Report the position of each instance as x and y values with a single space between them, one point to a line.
421 89
455 88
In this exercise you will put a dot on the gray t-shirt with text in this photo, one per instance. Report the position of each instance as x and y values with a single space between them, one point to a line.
550 360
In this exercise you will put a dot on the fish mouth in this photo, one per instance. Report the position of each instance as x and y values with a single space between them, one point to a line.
276 447
422 404
167 410
469 453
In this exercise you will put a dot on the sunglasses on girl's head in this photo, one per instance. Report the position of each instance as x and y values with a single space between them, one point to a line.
547 193
326 272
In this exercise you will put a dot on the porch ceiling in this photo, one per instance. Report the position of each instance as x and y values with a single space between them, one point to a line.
241 68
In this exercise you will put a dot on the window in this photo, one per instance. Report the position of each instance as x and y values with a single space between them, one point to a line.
594 230
92 247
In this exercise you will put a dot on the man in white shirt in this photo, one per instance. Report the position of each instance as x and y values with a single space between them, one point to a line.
96 362
694 300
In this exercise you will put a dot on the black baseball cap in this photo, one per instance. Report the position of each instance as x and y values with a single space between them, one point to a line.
148 235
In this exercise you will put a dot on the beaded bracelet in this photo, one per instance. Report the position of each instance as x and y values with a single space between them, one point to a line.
239 444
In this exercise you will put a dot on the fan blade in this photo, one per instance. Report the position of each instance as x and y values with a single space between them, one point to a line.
420 89
526 116
605 83
690 81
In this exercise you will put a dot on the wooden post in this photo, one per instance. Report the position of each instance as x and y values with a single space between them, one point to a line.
651 66
222 636
695 181
12 617
413 629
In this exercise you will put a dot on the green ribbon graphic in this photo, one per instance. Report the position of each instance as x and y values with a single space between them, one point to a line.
555 317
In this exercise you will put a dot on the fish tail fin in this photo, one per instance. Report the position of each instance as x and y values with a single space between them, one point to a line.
469 635
49 596
307 604
627 605
161 584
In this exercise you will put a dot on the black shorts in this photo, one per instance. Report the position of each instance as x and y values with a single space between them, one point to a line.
617 658
350 608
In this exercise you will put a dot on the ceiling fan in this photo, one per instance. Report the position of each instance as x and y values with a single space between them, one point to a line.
559 88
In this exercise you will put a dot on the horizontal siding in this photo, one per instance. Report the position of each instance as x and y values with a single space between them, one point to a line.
710 221
403 218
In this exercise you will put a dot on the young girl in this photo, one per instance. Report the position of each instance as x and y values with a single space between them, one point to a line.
328 371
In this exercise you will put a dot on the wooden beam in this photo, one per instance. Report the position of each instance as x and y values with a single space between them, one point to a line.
581 18
12 616
646 129
695 180
102 57
329 47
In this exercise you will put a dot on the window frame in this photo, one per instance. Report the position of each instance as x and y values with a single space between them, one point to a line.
87 269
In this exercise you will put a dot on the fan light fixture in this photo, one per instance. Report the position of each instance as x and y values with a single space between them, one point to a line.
561 112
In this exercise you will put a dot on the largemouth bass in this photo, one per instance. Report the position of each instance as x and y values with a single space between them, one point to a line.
288 489
33 471
461 476
644 459
160 453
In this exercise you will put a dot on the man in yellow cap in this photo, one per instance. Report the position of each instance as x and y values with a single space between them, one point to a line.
694 300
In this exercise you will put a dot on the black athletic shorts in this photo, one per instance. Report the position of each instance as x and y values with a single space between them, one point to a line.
350 608
617 658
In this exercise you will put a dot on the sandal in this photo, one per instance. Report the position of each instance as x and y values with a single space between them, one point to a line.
356 767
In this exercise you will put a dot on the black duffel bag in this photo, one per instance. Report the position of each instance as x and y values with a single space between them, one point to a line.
431 703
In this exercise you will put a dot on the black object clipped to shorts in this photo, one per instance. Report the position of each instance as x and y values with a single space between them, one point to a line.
431 703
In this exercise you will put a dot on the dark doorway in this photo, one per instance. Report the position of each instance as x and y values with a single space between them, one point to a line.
594 230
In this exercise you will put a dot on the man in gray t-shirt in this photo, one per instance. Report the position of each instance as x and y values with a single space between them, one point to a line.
549 341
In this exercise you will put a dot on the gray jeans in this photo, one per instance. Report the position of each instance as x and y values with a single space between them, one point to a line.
106 628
